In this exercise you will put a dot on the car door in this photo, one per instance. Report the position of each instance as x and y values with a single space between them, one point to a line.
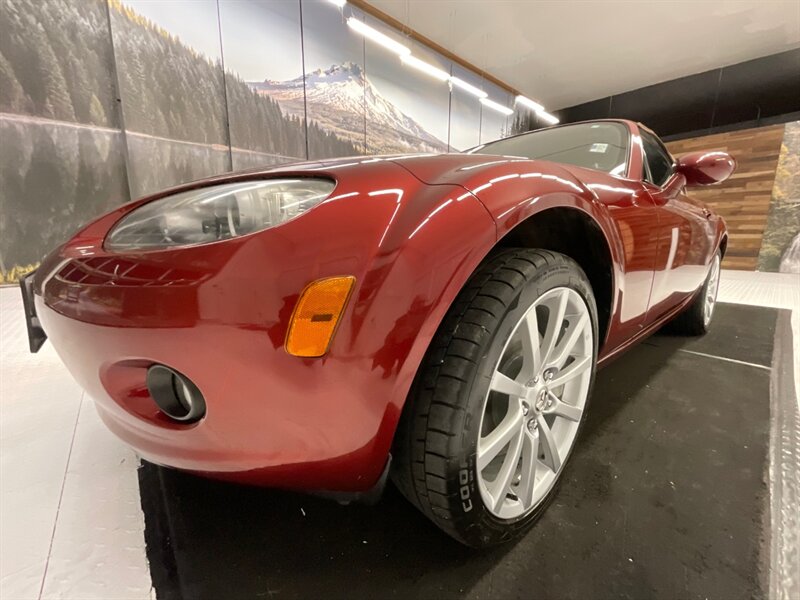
684 231
636 221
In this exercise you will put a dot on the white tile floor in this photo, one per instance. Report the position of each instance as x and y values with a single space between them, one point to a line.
70 516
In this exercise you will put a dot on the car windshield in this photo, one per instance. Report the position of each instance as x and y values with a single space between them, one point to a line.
602 146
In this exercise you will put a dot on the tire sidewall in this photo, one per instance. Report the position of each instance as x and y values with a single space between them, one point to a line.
472 518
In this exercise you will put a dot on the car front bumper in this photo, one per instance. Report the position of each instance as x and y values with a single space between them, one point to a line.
218 314
272 419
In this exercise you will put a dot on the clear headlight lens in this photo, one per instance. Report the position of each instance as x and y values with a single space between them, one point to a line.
216 213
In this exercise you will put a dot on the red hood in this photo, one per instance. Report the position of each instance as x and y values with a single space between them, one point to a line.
474 171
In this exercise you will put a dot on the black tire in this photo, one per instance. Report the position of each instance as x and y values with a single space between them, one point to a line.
692 321
435 444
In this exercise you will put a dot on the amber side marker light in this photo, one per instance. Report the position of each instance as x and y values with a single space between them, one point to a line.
316 315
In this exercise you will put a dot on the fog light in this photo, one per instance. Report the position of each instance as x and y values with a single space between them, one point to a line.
175 394
316 315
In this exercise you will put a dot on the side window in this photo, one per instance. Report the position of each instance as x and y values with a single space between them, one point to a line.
659 162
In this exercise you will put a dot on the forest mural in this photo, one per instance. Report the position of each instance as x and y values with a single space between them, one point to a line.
61 149
102 101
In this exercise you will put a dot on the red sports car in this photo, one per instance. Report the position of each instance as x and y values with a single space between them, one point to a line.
437 318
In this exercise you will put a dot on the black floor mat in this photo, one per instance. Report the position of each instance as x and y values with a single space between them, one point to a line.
665 497
739 332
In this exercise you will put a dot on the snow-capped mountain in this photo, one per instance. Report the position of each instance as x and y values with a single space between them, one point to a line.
336 99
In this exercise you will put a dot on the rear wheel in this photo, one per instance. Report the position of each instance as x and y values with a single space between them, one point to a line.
500 398
696 318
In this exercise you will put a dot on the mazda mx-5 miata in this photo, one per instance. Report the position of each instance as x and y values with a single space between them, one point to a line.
437 318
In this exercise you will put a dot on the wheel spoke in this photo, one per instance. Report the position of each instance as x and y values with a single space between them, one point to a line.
575 329
491 445
555 318
575 368
529 335
502 482
505 385
562 409
530 459
549 445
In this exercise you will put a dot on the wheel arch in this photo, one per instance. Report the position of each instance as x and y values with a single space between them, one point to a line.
586 244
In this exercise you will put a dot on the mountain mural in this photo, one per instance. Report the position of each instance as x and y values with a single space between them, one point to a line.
336 99
64 87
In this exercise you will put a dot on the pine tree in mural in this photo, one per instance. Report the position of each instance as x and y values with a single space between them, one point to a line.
523 121
53 98
97 113
12 96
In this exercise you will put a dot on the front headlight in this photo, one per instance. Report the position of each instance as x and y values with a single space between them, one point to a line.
216 213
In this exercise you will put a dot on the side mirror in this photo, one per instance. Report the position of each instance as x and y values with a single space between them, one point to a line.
706 168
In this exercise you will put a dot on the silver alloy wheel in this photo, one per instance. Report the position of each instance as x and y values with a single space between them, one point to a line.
536 398
711 291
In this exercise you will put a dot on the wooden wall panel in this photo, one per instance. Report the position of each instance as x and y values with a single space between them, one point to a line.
743 200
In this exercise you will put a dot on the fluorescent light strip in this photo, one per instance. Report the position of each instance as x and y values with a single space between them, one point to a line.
339 3
547 117
412 61
377 37
527 102
460 83
496 106
421 65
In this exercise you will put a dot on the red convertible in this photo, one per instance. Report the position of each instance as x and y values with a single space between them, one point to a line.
437 318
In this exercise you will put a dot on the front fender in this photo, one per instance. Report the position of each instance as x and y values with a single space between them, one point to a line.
515 189
435 238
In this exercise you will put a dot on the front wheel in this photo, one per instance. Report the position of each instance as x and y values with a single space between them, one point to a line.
500 398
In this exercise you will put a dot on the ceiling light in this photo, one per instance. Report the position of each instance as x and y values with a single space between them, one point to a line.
535 106
460 83
377 37
546 116
339 3
496 106
421 65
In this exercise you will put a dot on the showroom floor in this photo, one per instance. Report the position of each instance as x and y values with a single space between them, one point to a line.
72 521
